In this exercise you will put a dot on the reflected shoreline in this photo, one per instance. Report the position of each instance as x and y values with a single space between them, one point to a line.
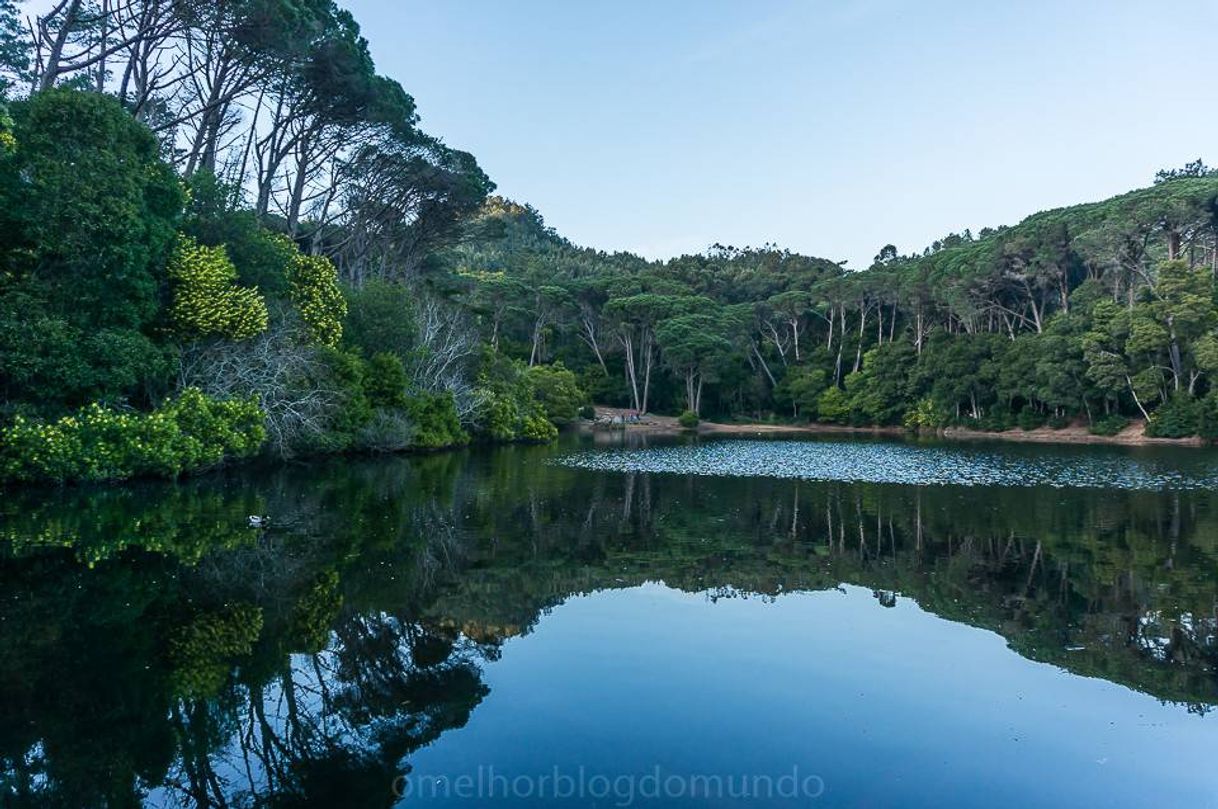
153 640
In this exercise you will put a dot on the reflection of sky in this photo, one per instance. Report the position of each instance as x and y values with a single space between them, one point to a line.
889 706
907 463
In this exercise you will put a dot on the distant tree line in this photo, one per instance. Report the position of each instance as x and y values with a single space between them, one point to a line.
1101 312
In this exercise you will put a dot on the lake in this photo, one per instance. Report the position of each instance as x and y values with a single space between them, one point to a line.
652 623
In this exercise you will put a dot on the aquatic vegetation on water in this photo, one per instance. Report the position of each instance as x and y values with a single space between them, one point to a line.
906 464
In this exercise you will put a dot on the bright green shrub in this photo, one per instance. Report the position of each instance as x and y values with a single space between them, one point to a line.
537 428
206 299
926 414
558 391
688 420
513 414
262 257
190 432
833 405
313 289
509 409
498 415
435 421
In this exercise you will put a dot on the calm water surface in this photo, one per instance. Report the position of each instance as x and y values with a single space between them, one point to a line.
726 623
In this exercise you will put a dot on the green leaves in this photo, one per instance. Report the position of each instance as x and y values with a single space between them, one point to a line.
87 218
313 289
206 300
189 433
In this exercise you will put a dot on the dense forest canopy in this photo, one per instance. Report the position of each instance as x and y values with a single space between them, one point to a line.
223 232
1097 311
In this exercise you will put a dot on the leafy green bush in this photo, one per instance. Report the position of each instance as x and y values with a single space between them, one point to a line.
344 375
537 428
558 391
926 414
385 381
509 409
587 412
833 406
190 432
879 392
1108 425
88 216
313 288
1059 421
688 420
262 257
206 299
1175 418
801 389
435 421
1207 416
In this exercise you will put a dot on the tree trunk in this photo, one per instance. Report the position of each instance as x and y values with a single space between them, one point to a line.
50 68
648 361
858 354
1136 400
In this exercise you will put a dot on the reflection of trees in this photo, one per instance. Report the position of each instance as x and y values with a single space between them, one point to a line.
1118 585
328 728
152 643
281 669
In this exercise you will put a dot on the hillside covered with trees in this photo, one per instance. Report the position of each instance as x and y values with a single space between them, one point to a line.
216 227
223 233
1101 312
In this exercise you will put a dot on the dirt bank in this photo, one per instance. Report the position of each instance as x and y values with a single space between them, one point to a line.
1133 435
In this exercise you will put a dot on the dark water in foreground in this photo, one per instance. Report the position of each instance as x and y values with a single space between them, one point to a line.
543 626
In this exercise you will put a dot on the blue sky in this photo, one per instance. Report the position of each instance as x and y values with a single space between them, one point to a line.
829 128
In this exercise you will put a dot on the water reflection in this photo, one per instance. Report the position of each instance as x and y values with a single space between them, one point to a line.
155 648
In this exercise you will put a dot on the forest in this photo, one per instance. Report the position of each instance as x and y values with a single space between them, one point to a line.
1100 313
223 234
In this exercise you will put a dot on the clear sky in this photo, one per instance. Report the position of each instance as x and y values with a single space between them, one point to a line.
831 128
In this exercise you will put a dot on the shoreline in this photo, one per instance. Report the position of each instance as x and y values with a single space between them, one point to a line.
1132 436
